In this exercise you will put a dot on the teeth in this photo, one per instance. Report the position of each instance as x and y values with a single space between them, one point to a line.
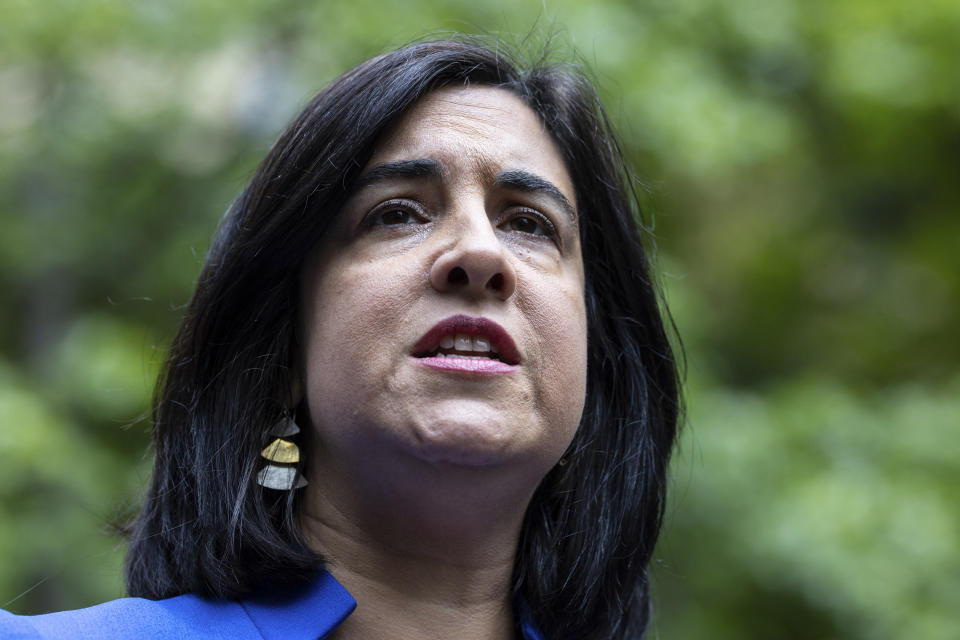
460 355
465 344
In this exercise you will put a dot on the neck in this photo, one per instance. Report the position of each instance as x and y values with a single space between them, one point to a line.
430 555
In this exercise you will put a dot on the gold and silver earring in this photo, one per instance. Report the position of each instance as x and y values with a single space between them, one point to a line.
282 456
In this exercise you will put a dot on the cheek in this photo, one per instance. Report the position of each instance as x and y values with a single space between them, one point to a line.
349 313
559 320
571 362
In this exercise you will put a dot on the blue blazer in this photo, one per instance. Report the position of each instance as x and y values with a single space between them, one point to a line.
308 614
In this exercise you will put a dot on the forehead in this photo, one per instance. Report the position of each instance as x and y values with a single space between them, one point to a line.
477 132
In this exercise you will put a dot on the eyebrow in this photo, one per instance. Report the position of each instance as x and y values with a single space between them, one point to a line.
401 169
519 180
514 179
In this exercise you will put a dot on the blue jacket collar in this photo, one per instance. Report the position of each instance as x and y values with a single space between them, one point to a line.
307 614
314 612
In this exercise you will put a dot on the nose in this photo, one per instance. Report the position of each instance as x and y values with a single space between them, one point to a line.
475 263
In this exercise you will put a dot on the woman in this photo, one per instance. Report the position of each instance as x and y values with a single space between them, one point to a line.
436 273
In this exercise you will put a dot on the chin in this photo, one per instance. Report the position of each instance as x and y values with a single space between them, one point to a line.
483 443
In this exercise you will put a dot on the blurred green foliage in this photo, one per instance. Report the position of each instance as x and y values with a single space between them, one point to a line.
801 160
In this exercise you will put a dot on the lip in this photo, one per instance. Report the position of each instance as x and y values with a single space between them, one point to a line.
469 325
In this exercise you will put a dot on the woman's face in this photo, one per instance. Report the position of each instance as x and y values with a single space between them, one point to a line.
443 314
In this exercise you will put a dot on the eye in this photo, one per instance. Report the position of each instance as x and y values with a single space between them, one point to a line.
395 213
393 216
531 223
526 224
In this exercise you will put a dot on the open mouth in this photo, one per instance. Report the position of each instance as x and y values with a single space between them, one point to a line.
470 338
465 346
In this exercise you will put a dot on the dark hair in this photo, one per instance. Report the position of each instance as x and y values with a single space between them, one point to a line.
590 529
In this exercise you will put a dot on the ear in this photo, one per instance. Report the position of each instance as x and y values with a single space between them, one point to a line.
295 391
292 395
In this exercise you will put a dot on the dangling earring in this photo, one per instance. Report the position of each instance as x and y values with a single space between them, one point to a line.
283 476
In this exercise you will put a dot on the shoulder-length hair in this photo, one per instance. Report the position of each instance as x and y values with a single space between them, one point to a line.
588 535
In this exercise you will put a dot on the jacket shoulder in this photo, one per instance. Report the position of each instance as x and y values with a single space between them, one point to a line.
186 617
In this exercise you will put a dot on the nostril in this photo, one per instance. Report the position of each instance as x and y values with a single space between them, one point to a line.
457 276
496 282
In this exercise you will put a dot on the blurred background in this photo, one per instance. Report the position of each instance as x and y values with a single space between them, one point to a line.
801 160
